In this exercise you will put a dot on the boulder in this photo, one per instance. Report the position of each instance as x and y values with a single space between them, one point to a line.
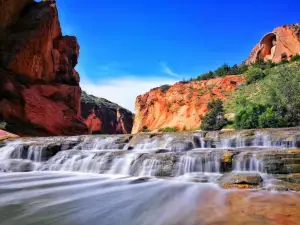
243 180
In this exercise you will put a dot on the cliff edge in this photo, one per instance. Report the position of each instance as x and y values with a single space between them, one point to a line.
39 89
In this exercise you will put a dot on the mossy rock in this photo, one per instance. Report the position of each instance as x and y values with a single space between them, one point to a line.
294 168
227 157
291 178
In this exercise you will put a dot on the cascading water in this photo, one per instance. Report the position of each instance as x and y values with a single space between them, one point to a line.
119 174
150 155
103 143
247 161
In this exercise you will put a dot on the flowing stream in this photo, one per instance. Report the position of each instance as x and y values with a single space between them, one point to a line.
142 179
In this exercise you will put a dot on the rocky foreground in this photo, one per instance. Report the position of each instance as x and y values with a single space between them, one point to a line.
268 159
207 178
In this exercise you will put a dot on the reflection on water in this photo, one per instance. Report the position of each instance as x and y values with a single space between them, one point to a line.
72 198
150 180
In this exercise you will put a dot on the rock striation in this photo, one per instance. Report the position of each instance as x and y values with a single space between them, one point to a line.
181 105
39 89
104 117
280 44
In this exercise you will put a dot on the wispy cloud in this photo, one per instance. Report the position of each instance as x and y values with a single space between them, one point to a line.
123 91
167 70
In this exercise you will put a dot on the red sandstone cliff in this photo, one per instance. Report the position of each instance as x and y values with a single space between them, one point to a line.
39 89
280 44
104 117
182 105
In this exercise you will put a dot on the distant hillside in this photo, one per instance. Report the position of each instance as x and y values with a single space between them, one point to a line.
105 117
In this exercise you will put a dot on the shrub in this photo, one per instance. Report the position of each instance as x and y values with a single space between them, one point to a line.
282 91
261 64
169 129
271 118
223 70
165 88
254 74
248 117
214 119
295 58
145 129
206 76
3 125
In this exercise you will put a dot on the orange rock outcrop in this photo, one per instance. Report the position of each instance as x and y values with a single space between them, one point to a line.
181 105
39 89
280 44
5 135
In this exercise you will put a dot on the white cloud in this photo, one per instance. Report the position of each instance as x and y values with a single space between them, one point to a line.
123 91
167 70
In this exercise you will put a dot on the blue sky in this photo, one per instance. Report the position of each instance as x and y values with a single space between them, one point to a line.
128 47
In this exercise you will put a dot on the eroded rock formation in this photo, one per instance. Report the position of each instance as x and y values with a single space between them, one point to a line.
181 105
104 117
39 89
280 44
5 135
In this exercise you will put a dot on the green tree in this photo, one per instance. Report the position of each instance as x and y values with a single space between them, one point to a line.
248 117
271 118
223 70
282 91
214 119
254 74
169 129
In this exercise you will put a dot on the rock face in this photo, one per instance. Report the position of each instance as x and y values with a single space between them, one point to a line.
39 89
280 44
104 117
181 105
5 135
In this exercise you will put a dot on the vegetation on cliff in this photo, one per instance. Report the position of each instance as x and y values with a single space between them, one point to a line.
270 98
214 119
222 71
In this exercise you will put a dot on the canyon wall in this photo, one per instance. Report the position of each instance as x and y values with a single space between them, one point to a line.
104 117
181 105
280 44
39 89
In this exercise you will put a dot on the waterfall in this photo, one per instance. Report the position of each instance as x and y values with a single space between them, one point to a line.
100 143
208 162
149 167
247 161
160 155
155 143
